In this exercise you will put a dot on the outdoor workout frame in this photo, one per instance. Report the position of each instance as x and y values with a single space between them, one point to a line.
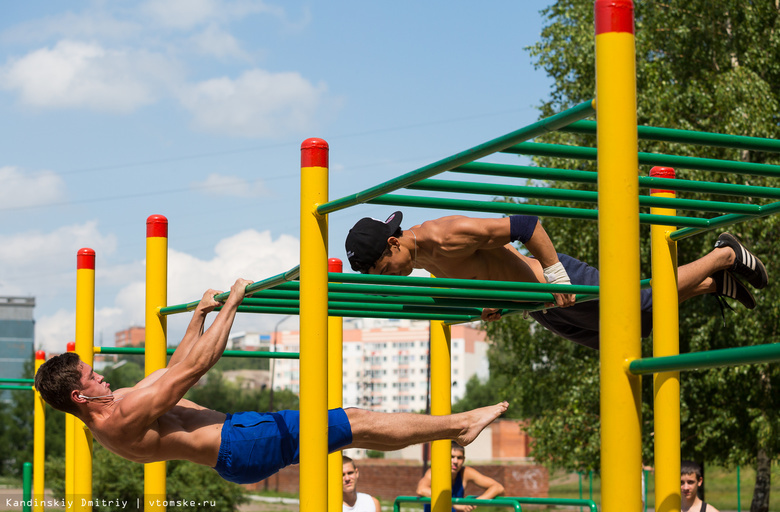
321 294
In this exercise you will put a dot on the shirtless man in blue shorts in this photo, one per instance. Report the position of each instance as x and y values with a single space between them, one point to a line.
151 421
473 248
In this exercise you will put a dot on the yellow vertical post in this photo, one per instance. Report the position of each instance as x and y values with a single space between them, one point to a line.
314 327
70 455
441 405
39 441
666 342
85 338
618 190
335 394
155 356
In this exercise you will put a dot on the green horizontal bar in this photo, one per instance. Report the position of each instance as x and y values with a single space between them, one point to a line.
11 387
527 209
284 277
17 381
585 196
496 502
422 300
709 359
677 162
549 124
436 282
725 220
358 306
227 353
568 502
363 314
687 137
554 174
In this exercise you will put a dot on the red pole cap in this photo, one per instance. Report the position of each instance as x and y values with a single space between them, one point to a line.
335 265
314 153
156 226
662 172
85 258
614 16
40 354
71 346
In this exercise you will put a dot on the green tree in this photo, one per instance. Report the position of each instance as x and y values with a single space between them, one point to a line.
705 65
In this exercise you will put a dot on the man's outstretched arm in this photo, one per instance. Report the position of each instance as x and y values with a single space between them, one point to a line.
195 327
542 248
149 402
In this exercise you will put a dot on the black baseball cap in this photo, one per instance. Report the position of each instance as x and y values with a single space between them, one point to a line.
367 240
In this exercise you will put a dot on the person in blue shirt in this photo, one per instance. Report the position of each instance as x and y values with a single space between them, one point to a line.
462 475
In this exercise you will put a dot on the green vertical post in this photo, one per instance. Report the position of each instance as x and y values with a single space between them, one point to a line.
590 484
739 493
579 479
27 487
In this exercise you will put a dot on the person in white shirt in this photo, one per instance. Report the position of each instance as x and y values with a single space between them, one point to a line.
354 501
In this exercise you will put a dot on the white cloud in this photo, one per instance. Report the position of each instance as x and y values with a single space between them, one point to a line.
186 14
21 189
44 261
249 254
218 43
219 185
75 74
256 104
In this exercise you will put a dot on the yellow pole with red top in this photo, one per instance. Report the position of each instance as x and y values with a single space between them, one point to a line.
70 450
335 395
155 356
313 318
618 188
666 342
39 441
85 338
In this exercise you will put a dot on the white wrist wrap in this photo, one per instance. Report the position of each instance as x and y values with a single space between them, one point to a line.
556 274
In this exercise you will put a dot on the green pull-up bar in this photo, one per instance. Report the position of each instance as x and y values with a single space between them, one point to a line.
709 359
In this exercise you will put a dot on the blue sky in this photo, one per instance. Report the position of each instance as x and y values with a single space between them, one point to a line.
196 109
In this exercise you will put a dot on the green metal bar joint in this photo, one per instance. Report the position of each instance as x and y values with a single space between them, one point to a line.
261 354
709 359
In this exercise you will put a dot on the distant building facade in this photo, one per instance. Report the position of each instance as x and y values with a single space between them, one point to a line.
17 338
385 362
131 337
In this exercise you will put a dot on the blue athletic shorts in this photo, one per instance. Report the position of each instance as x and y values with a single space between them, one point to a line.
255 445
580 323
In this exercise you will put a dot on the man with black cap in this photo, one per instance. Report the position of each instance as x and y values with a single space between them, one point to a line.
481 248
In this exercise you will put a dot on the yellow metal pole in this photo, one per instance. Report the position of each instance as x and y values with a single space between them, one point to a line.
70 455
666 342
85 337
155 356
441 405
335 395
618 189
314 327
39 442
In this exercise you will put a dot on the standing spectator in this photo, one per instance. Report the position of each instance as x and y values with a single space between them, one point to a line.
354 501
690 480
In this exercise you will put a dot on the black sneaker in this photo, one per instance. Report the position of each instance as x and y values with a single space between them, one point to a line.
726 285
746 263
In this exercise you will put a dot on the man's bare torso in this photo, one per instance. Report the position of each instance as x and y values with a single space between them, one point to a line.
187 431
505 264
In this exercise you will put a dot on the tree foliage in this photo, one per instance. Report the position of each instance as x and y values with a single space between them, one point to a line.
707 65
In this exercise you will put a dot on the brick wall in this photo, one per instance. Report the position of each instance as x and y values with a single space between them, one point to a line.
387 479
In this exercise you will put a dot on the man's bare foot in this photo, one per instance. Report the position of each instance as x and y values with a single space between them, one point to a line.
476 420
